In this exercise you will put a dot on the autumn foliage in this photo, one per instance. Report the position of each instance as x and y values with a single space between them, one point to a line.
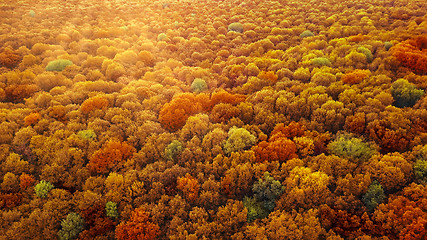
213 119
404 216
138 227
189 186
96 221
32 118
90 104
412 53
9 58
112 153
25 181
355 76
175 113
279 146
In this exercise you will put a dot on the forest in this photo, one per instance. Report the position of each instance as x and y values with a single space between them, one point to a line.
213 119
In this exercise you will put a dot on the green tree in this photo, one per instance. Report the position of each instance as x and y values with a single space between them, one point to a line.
58 65
321 61
111 209
88 134
71 226
420 165
43 188
238 139
367 53
420 171
199 85
235 27
350 147
405 94
306 33
255 208
173 149
266 190
374 196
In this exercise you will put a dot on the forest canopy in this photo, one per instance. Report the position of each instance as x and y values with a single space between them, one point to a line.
204 119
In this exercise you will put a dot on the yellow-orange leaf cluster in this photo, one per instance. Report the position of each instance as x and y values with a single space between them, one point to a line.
189 186
90 104
110 154
355 76
174 114
9 58
32 118
138 227
279 146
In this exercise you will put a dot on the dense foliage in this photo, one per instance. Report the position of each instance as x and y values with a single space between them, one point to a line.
204 119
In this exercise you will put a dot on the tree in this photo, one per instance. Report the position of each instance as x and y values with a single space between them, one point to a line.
374 196
355 76
351 147
367 53
391 130
293 129
223 112
111 210
230 218
199 85
238 140
25 180
420 165
411 53
405 94
212 141
9 58
10 183
294 225
330 116
355 123
266 190
223 96
43 188
304 189
279 147
111 153
237 180
402 215
196 125
189 186
332 165
174 114
138 227
87 134
392 171
32 118
71 227
173 149
15 164
347 224
58 65
93 103
254 208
